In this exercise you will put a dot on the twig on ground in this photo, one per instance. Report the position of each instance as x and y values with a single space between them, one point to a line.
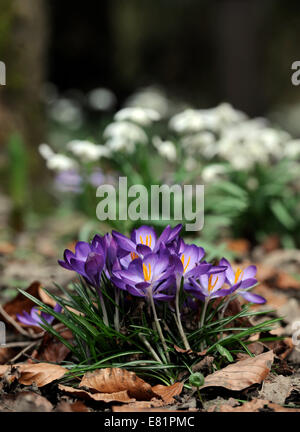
13 322
27 348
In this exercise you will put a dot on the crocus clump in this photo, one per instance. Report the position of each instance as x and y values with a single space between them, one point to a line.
158 269
145 265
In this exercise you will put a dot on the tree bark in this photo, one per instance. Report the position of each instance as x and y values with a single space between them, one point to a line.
23 37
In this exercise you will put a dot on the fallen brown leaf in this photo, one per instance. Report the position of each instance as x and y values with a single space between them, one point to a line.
167 393
4 369
242 374
253 406
143 407
112 380
45 298
281 348
256 348
40 373
285 281
21 303
276 389
25 401
51 349
6 354
120 396
72 407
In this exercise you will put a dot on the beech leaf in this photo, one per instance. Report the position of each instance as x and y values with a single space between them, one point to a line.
242 374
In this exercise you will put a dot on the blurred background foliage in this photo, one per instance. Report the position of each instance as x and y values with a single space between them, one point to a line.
197 53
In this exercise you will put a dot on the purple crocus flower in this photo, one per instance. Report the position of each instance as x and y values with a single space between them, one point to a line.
240 280
97 178
88 260
143 241
154 273
68 181
209 286
187 260
34 317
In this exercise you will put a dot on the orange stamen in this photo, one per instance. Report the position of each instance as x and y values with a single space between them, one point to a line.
238 273
133 255
187 264
147 274
210 285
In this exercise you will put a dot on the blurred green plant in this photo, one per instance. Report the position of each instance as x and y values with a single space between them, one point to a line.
17 175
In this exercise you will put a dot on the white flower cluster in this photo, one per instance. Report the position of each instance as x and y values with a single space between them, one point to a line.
56 161
84 151
166 149
126 131
228 134
87 151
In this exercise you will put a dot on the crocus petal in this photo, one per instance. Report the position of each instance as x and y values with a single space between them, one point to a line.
25 318
253 298
82 249
250 272
144 235
143 250
230 275
124 242
248 283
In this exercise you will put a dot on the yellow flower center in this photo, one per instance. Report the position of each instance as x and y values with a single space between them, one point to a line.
210 284
187 264
239 273
147 272
148 240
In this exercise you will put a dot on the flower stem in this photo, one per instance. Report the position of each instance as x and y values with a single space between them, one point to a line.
146 343
157 324
201 322
178 320
104 313
117 314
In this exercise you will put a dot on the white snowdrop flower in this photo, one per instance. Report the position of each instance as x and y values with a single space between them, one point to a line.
292 149
127 131
242 161
273 141
152 98
188 121
228 115
141 116
203 143
213 172
60 162
192 121
67 111
166 149
87 151
46 151
119 143
101 99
